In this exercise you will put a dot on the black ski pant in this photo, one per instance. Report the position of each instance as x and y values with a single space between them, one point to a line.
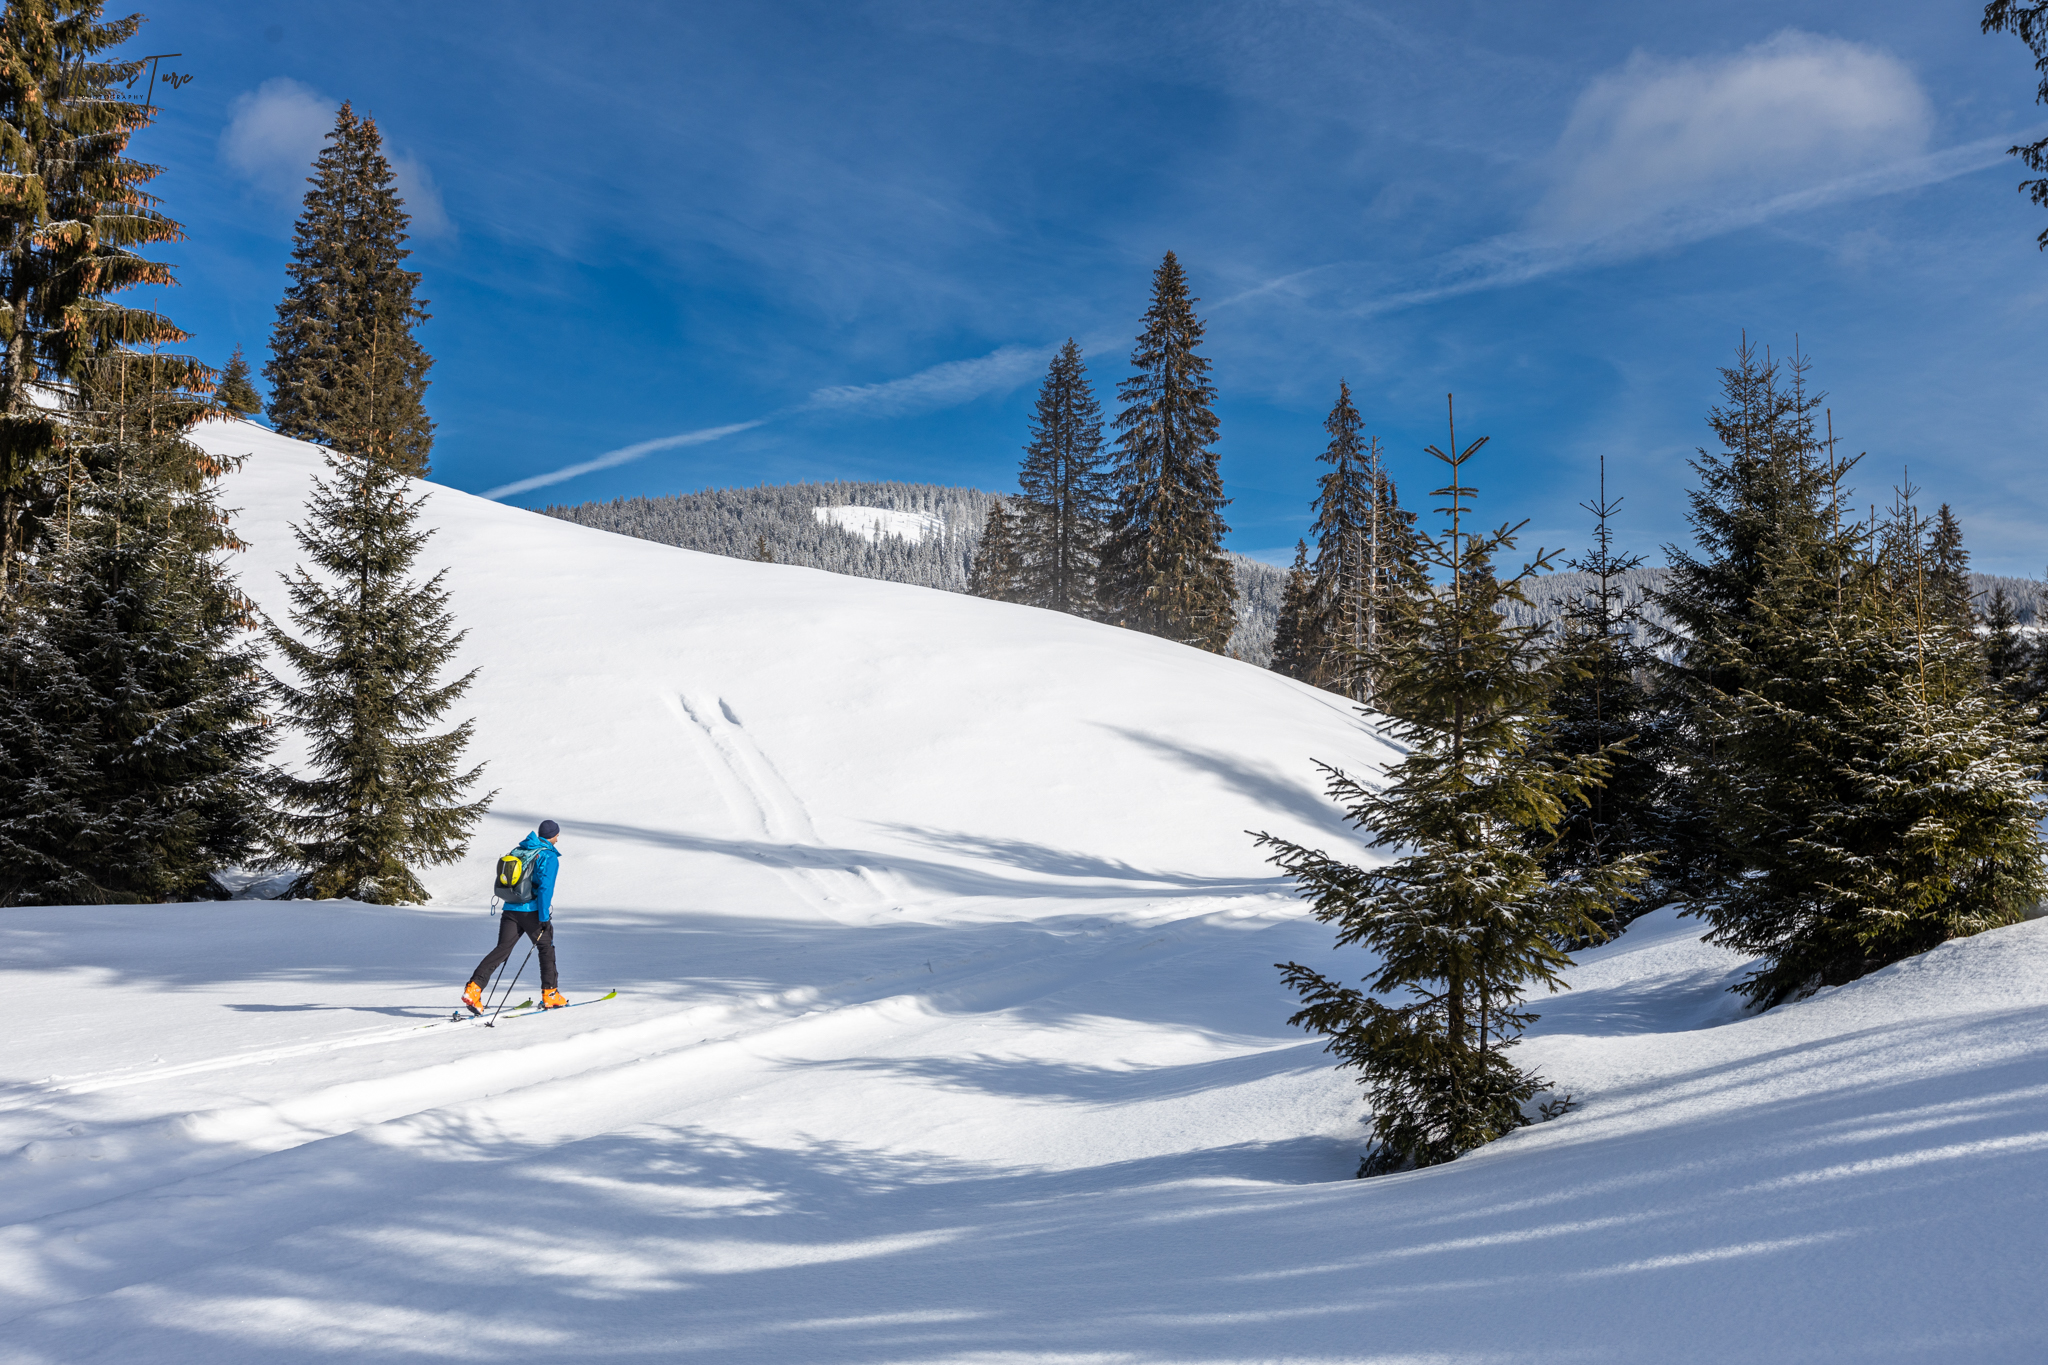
511 924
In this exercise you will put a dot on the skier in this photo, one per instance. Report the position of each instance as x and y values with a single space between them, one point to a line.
533 921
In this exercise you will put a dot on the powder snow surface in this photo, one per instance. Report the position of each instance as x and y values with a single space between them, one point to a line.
876 522
947 1032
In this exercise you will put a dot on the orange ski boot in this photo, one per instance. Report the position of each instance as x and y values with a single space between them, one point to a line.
552 999
473 998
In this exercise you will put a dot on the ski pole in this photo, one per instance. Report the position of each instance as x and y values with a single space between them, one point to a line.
493 1021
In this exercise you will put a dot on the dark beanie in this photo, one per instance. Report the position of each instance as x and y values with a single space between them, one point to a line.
548 829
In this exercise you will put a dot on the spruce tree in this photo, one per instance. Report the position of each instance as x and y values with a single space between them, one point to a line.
1603 704
1774 553
71 228
1163 566
1300 648
345 369
130 734
235 392
1347 506
129 738
385 794
998 569
1066 494
1468 919
2007 651
1948 571
1887 800
1365 554
2027 20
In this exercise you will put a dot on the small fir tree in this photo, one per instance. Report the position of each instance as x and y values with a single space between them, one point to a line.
762 554
1066 495
1468 919
345 368
235 392
997 571
386 795
1163 566
1299 646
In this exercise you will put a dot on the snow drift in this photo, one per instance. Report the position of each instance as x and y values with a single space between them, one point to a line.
947 1032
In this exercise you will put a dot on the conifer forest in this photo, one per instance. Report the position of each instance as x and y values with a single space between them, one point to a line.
1054 905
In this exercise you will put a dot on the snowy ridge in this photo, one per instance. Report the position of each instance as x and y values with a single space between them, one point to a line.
947 1033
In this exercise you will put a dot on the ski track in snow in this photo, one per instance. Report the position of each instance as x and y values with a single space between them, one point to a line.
948 1031
760 798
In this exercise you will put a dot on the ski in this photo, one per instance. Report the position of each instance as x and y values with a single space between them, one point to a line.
458 1017
524 1013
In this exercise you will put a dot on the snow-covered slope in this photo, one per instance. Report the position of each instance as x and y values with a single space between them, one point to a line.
948 1031
876 522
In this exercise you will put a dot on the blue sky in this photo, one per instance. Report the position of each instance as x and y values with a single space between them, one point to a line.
680 246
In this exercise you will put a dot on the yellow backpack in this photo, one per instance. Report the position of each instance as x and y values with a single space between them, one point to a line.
514 882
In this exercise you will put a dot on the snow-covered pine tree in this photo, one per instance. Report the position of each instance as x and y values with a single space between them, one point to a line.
1299 647
1773 552
1163 567
235 392
1468 919
998 569
71 225
1900 809
1066 494
385 794
345 368
1603 704
130 719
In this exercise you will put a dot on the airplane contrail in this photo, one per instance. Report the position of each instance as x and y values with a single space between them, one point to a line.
623 455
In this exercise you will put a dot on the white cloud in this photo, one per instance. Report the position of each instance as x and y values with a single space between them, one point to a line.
955 381
623 455
276 131
278 128
415 185
1658 143
1660 154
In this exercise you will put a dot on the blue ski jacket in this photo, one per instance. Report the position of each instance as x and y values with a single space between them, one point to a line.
543 876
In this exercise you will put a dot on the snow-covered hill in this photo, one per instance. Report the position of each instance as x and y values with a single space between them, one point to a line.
947 1032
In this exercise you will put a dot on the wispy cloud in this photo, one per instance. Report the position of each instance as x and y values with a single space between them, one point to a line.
947 384
1660 139
1520 257
623 455
415 185
942 386
1661 154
